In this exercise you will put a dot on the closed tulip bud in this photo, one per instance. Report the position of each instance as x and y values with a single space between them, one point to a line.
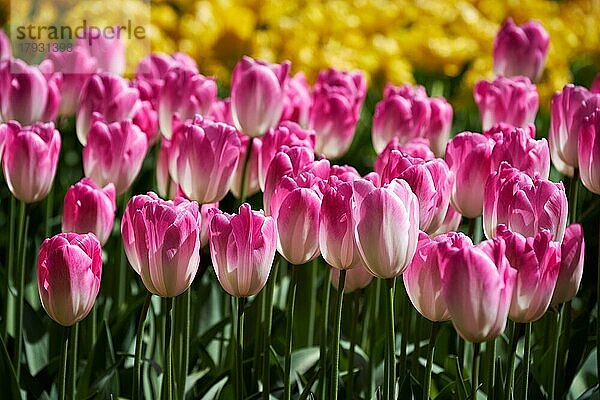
297 101
571 265
114 153
386 226
106 95
146 118
337 99
510 100
537 262
5 46
257 95
416 148
53 100
525 205
356 278
89 208
30 159
568 111
501 129
150 75
184 94
287 133
69 271
242 249
206 155
220 111
469 156
520 50
108 50
344 173
522 152
451 221
440 122
423 277
162 242
252 185
589 152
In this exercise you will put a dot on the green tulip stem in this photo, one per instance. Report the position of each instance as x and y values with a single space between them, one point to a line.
510 379
266 376
139 341
526 359
10 265
336 338
73 341
168 361
239 354
247 158
475 370
433 334
390 362
22 254
322 388
555 346
62 382
291 301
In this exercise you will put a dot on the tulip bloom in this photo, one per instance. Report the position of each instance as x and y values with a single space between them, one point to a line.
297 101
204 154
337 99
69 270
242 249
184 94
440 122
108 97
469 156
151 72
512 101
423 277
162 241
257 95
30 159
595 88
252 184
356 278
114 153
5 46
416 148
516 147
589 152
206 213
220 111
520 50
525 205
537 262
108 50
571 265
477 285
450 223
89 208
386 226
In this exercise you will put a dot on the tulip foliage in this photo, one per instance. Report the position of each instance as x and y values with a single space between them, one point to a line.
170 236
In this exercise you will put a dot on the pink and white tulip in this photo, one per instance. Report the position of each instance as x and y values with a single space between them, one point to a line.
109 51
516 147
588 151
356 278
252 184
571 265
297 101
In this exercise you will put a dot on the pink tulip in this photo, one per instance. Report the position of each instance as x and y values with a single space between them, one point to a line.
30 159
252 184
356 278
287 133
571 265
105 96
469 156
520 50
162 242
69 271
337 99
417 148
440 122
451 222
423 277
595 88
568 111
146 118
75 67
589 152
345 173
510 100
220 111
185 93
525 205
477 285
257 95
89 208
167 187
5 46
114 153
206 213
108 50
501 129
151 72
242 249
537 262
205 155
522 152
297 101
386 226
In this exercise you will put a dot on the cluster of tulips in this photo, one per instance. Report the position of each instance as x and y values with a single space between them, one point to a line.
401 220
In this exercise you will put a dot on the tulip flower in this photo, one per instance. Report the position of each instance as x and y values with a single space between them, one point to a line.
537 262
416 148
469 156
151 72
571 265
146 118
501 129
105 96
108 50
595 88
89 208
568 111
287 133
589 152
257 95
252 184
297 101
520 50
205 155
30 159
430 181
206 213
525 205
167 187
242 249
337 99
451 221
114 153
440 122
386 226
517 148
356 278
5 46
161 239
69 271
185 93
510 100
220 111
423 277
477 285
